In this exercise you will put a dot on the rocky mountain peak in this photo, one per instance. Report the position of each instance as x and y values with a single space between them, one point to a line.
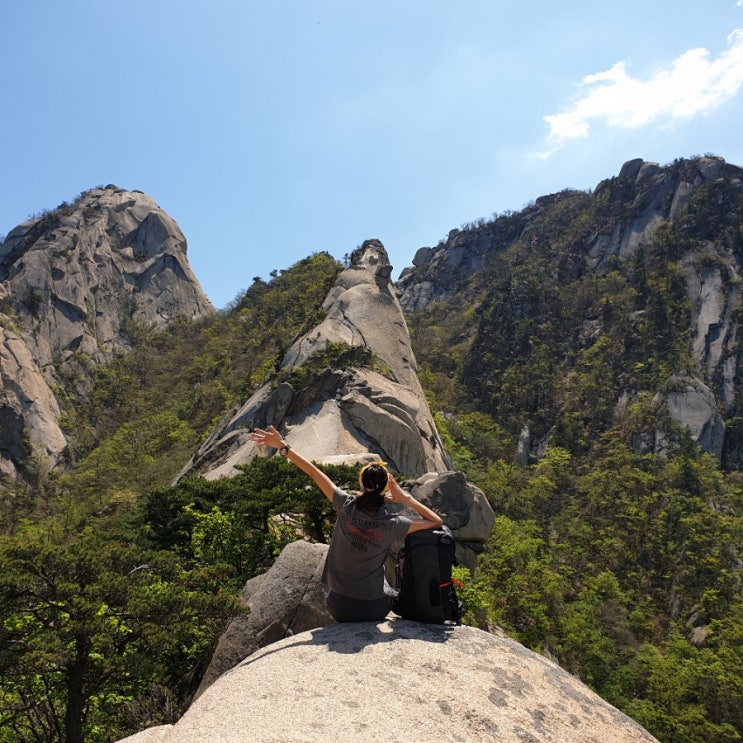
79 273
635 202
73 281
348 389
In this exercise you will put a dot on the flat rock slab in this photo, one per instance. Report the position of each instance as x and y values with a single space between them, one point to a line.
398 681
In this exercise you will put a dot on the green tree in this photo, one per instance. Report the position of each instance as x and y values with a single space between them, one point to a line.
525 591
244 520
91 624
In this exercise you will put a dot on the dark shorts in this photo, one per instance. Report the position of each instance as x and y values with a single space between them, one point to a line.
347 609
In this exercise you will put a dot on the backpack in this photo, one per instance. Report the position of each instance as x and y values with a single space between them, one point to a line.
424 580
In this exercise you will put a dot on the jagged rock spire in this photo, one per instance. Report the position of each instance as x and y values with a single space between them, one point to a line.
365 403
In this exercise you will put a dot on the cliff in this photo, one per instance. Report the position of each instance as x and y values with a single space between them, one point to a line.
663 242
73 284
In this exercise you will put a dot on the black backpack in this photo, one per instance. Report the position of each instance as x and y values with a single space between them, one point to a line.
424 580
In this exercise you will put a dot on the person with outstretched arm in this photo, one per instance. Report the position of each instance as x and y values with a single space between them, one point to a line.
363 534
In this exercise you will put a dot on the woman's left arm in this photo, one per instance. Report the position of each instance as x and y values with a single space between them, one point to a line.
429 519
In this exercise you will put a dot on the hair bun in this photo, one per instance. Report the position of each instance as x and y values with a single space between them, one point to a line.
374 477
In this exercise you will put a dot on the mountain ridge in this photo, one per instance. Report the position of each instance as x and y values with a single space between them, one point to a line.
71 311
574 238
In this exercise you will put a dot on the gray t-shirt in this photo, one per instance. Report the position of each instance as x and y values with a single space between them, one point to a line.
354 566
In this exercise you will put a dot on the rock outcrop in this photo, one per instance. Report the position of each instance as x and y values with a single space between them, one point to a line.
29 413
364 403
77 275
398 681
655 195
701 199
691 404
71 284
287 599
341 411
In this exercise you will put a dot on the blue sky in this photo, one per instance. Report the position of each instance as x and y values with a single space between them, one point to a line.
273 130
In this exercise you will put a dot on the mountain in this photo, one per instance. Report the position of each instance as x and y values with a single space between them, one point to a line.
642 275
576 362
361 397
648 262
74 284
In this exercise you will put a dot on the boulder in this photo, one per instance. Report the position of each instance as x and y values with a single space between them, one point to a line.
397 681
422 256
691 403
631 168
289 598
463 506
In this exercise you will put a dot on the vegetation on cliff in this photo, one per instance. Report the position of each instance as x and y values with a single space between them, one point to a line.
109 609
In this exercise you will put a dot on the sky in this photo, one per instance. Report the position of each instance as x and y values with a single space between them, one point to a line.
273 130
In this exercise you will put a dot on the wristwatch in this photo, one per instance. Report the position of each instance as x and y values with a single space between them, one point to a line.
284 450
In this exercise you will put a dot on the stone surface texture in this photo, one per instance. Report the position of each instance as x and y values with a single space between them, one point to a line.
397 681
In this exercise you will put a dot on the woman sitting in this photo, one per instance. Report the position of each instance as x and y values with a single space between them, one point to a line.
363 534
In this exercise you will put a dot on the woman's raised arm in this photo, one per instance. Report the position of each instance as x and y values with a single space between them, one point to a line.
428 519
273 438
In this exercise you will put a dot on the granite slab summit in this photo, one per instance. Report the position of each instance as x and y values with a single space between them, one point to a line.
398 681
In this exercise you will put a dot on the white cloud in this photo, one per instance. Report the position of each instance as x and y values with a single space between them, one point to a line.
693 84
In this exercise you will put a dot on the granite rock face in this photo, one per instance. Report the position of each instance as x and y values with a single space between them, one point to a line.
367 404
655 194
631 208
29 414
397 681
73 281
287 599
79 274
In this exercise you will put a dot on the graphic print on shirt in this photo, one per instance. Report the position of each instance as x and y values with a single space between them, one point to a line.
362 538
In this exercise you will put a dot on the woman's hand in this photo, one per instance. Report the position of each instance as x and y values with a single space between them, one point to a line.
396 494
271 438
